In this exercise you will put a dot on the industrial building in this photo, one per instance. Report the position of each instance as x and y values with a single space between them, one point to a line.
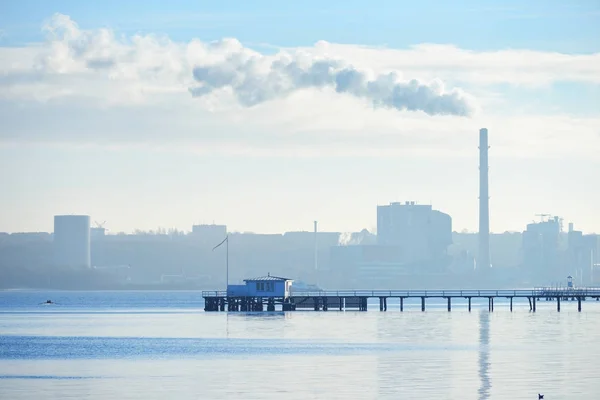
419 232
71 241
583 257
541 250
412 240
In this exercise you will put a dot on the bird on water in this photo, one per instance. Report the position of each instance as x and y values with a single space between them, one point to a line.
540 396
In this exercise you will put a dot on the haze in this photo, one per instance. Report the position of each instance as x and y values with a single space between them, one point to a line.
267 117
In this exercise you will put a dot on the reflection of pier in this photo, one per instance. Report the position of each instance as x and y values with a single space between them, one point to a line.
357 299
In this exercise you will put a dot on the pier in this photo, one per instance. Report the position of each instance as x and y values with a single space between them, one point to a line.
358 299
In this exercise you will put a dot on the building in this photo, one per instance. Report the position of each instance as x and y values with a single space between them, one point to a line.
264 286
411 245
583 254
97 233
420 232
71 241
541 251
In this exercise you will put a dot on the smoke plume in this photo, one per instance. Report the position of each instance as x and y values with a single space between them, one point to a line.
255 78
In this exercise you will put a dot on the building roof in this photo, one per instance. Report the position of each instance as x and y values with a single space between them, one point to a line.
269 277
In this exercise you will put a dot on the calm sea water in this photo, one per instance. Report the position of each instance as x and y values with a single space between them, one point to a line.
159 345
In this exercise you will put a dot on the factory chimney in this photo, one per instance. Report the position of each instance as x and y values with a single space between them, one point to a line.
483 261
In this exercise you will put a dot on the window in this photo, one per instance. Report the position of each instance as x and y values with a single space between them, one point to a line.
257 286
262 286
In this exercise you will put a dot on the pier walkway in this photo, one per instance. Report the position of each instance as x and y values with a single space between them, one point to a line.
358 299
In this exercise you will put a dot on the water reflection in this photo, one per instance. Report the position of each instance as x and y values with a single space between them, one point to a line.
484 356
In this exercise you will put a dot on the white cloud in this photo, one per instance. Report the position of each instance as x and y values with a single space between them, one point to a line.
93 87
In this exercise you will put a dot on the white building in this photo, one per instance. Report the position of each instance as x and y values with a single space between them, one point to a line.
72 241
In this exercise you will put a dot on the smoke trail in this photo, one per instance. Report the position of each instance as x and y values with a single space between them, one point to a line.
255 79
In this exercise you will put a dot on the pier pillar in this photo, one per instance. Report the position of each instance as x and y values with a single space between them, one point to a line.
385 304
558 304
222 304
490 304
316 303
365 303
271 305
469 304
534 304
579 304
381 304
401 303
449 304
530 305
325 304
511 299
341 303
422 303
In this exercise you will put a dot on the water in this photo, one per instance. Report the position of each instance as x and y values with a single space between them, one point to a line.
157 345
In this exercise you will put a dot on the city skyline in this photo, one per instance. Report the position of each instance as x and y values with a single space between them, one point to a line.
188 229
147 118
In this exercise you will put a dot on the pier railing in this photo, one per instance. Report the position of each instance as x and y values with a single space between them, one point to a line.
537 292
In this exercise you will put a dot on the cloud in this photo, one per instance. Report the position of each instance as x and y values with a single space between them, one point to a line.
226 64
142 68
96 87
255 79
515 67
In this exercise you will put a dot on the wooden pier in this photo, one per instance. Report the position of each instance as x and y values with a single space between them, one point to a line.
358 299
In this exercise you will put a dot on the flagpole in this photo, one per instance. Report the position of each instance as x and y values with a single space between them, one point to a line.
226 262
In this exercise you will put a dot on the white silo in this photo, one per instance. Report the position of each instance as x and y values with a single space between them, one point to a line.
72 241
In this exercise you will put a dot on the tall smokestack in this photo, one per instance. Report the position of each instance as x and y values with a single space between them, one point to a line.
483 261
316 265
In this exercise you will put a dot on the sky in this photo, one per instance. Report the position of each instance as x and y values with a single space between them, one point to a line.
266 116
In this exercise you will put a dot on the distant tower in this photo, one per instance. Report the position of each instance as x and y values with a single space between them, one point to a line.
72 241
316 265
483 261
